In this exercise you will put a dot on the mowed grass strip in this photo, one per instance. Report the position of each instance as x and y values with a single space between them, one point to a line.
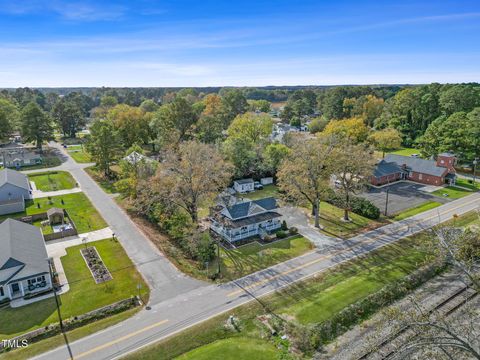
53 180
417 210
452 192
239 348
84 295
254 257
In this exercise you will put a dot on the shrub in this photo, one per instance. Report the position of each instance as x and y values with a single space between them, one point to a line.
293 230
281 234
284 225
358 205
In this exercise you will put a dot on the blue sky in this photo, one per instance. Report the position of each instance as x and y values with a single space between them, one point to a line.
251 43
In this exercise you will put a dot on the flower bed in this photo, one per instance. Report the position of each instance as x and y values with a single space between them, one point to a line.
96 265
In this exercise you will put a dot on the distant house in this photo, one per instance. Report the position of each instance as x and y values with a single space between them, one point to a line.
398 167
23 260
244 185
14 190
234 222
136 158
18 157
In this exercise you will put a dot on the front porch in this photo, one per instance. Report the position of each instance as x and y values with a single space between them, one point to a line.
237 234
27 288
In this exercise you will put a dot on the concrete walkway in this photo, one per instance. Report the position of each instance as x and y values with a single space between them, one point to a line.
37 194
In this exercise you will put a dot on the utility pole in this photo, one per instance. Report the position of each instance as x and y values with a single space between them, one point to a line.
475 162
386 201
55 293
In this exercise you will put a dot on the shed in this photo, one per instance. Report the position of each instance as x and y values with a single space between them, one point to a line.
55 216
266 180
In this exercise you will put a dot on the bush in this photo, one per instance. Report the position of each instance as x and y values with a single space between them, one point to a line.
281 234
293 230
284 225
358 205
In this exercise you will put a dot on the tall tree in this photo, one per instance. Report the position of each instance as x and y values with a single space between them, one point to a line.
304 175
234 103
68 117
190 175
8 118
352 169
173 122
104 145
132 124
36 124
386 140
352 129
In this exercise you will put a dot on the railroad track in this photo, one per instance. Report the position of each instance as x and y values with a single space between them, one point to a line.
386 349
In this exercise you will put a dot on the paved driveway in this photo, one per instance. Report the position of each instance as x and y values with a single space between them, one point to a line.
295 217
402 196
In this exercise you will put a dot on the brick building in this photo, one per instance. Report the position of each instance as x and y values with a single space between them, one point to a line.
430 172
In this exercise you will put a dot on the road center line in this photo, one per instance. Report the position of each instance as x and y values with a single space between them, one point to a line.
113 342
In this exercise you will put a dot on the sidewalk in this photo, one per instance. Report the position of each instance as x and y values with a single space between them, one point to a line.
43 194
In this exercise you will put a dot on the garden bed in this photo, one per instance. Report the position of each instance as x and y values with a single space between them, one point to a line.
96 265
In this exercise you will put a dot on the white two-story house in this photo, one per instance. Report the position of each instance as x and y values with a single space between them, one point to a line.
245 219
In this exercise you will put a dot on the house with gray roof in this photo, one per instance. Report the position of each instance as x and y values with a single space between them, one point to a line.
245 219
24 269
431 172
19 157
14 190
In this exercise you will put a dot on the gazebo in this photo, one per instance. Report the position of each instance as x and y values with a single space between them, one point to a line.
55 216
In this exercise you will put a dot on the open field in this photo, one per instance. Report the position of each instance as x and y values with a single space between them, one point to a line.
80 209
254 257
406 151
84 295
417 210
53 180
267 191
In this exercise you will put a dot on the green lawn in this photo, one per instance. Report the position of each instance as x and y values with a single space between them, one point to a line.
53 180
238 348
254 257
78 153
417 210
333 225
406 152
80 209
84 295
453 192
466 184
267 191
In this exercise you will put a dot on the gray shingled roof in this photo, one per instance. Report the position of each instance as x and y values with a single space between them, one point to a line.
244 209
418 165
386 168
22 251
9 176
244 181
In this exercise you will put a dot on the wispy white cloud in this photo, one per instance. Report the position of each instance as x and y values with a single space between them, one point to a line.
66 9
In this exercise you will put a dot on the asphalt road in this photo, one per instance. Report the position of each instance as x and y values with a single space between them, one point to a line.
164 279
181 307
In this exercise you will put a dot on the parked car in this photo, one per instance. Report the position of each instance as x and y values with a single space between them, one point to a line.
257 185
415 155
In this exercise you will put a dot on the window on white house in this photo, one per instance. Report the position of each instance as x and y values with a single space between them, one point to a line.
1 291
31 281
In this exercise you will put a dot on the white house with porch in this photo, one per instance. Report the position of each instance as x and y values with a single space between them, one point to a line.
24 267
234 222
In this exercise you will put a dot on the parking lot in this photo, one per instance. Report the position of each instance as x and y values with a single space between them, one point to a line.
402 196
